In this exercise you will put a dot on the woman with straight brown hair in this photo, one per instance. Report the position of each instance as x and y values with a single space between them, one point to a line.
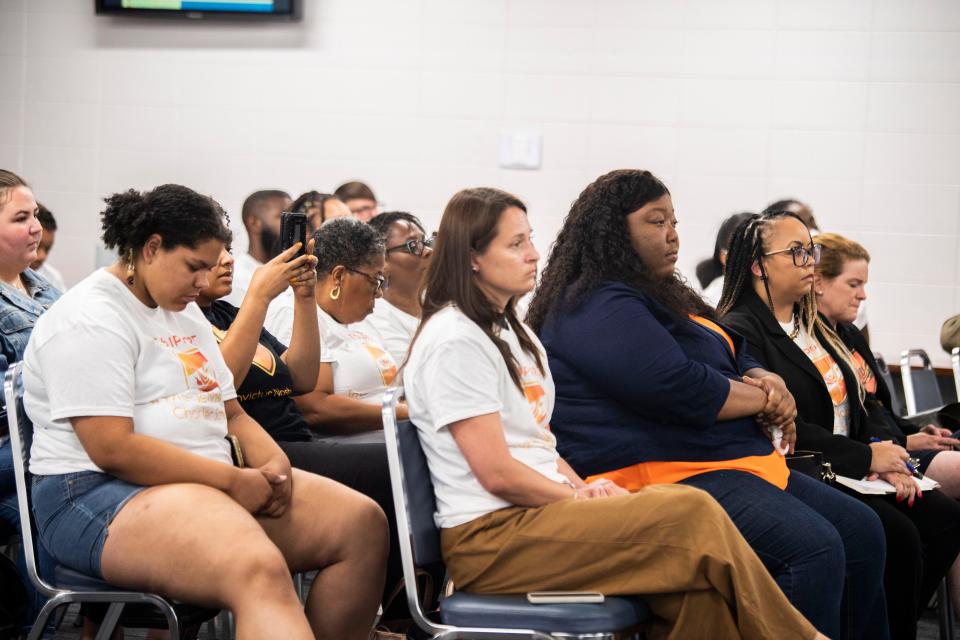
514 516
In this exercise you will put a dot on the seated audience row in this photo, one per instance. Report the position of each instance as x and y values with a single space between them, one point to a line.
637 382
272 376
260 215
131 401
515 517
769 298
840 287
652 390
24 297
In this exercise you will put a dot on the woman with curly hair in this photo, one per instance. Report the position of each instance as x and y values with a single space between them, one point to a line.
514 516
133 481
652 390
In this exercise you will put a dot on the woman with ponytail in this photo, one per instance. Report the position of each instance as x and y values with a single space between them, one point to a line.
514 516
132 405
768 296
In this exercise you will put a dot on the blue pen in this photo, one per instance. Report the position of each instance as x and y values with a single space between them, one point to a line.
911 463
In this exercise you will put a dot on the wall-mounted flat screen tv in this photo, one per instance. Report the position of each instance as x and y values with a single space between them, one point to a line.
198 8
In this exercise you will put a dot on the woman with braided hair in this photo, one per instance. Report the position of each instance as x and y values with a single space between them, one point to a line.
651 390
768 297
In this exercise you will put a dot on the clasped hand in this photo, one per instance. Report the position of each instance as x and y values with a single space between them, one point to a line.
266 490
779 410
601 488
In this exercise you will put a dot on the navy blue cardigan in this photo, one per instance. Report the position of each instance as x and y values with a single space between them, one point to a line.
637 384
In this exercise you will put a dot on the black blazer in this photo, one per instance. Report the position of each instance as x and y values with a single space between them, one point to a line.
878 405
776 352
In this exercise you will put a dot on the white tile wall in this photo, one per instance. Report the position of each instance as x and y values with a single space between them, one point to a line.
852 105
824 14
914 107
823 55
919 15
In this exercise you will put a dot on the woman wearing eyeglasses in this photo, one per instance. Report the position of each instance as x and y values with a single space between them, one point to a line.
651 390
396 315
768 297
355 369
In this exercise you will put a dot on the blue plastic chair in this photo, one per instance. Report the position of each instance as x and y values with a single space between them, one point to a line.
467 615
67 586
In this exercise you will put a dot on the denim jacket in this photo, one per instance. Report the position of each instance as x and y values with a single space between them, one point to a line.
18 314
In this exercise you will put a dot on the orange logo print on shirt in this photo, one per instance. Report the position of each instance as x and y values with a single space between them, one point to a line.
195 369
537 398
385 362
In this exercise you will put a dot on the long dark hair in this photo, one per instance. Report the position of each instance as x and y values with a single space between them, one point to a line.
594 246
712 268
469 224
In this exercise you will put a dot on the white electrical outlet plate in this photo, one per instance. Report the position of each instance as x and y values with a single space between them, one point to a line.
521 150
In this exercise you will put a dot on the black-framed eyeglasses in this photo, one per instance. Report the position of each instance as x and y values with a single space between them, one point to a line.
801 255
375 281
414 246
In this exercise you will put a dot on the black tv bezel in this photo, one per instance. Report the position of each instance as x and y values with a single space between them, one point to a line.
294 14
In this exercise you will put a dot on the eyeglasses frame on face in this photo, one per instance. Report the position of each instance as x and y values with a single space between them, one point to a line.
815 251
376 281
425 243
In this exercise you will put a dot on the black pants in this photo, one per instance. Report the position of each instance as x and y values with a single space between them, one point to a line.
363 468
922 543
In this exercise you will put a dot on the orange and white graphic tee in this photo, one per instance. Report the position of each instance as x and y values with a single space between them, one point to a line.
456 372
832 377
362 367
101 352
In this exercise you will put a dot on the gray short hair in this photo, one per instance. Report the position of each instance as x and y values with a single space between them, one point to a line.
345 241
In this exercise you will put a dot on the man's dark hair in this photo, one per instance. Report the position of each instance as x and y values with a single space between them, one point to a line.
45 216
257 201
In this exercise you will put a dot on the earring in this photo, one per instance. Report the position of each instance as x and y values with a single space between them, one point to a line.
819 293
475 269
335 292
131 267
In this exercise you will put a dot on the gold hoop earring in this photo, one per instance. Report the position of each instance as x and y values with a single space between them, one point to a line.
131 267
335 292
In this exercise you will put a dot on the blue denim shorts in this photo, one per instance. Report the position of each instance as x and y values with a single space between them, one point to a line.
72 512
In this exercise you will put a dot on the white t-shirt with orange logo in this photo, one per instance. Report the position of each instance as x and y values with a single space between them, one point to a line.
832 377
101 352
455 372
362 367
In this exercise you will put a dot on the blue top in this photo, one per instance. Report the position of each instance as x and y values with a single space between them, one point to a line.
19 313
636 384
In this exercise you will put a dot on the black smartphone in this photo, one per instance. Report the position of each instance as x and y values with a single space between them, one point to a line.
293 229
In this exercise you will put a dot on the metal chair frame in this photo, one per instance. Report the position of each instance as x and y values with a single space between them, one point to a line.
436 630
906 375
955 362
57 597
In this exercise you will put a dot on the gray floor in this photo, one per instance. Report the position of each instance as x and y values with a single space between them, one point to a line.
928 629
